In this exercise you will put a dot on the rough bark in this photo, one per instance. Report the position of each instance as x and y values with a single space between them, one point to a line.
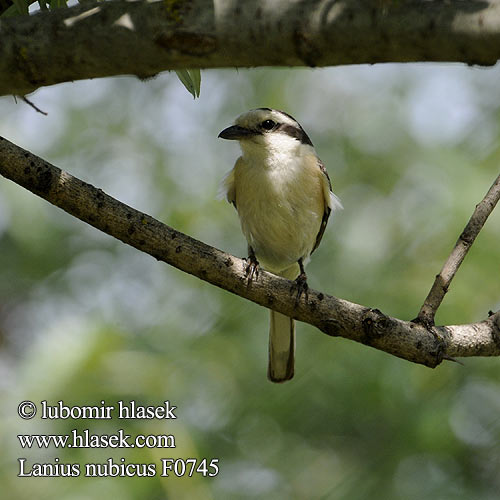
142 38
417 342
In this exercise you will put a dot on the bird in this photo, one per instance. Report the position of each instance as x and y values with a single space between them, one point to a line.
283 196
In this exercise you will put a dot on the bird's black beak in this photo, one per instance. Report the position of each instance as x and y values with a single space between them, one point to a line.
235 133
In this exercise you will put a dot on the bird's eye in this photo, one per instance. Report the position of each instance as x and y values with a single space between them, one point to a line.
268 124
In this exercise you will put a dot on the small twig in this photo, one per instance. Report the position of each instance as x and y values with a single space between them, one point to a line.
34 106
465 241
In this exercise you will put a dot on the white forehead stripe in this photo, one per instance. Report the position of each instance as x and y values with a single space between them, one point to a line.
254 117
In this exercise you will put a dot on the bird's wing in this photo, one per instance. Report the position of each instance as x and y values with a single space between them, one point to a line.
227 188
332 203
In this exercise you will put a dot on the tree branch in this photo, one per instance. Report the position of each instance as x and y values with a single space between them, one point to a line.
333 316
143 38
462 246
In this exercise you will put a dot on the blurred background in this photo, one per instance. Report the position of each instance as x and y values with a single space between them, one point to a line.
410 150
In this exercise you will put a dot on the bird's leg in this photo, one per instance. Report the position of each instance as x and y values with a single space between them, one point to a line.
301 282
252 268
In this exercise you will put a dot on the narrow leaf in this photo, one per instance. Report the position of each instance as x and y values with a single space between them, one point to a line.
196 78
191 79
186 80
22 6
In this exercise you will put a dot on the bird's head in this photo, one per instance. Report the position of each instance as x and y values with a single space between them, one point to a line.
267 131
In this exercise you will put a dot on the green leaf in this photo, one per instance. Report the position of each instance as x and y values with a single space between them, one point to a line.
11 8
57 4
22 6
10 12
191 79
196 77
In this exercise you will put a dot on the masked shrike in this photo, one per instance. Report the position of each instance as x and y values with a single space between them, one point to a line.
284 197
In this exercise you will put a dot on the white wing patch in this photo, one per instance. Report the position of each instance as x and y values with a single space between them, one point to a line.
226 187
335 203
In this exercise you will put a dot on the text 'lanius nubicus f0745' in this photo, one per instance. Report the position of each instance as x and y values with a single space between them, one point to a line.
284 197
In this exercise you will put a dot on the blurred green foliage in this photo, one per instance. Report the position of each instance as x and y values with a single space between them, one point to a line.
84 318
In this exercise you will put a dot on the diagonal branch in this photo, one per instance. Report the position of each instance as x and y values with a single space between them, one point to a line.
333 316
143 38
443 279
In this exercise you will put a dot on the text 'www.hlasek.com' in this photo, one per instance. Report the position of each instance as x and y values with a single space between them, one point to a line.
85 438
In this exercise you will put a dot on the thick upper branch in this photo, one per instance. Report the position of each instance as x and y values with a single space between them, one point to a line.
143 38
333 316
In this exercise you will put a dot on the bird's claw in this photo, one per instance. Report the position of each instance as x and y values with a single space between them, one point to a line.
302 287
252 268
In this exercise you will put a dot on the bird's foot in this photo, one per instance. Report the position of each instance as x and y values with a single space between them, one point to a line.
302 287
252 267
